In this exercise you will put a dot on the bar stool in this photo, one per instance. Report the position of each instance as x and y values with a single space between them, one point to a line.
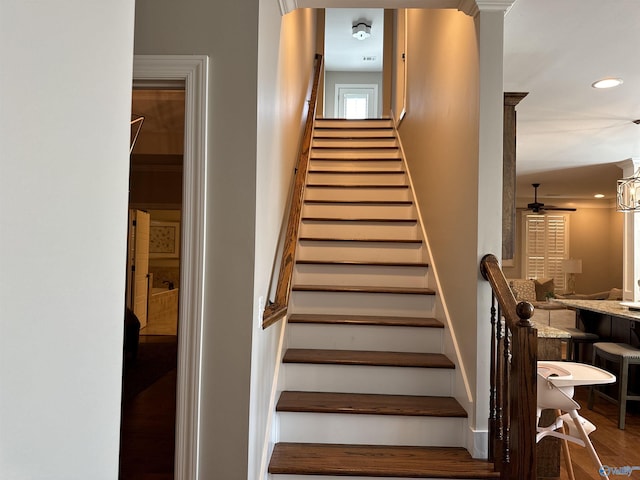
624 355
578 337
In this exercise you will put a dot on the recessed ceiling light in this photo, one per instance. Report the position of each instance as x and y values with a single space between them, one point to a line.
607 83
599 195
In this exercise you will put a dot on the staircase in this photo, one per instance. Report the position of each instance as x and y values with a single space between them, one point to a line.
367 391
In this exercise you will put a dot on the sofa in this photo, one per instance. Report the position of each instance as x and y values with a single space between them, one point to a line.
541 292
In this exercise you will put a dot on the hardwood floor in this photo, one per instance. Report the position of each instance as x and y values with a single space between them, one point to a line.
616 448
147 432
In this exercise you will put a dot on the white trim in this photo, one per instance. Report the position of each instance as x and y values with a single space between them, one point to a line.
371 113
193 70
287 6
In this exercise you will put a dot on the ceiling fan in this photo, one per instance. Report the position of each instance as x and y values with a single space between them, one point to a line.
537 207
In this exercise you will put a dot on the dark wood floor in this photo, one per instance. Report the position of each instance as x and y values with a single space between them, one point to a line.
148 431
616 448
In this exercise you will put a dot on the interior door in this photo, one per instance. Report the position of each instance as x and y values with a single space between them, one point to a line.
138 264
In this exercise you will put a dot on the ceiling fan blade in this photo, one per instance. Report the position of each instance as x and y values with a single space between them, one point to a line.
562 209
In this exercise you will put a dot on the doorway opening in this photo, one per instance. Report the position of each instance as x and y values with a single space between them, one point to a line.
353 77
148 422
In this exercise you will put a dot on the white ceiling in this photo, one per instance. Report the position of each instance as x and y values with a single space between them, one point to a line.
345 53
570 136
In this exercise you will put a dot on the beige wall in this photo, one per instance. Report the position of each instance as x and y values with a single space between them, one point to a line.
286 56
595 236
440 137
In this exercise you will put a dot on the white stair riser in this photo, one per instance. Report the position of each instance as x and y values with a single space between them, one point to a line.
347 124
353 133
370 429
361 230
358 211
346 154
362 304
356 179
360 251
360 275
365 337
368 379
350 165
389 194
353 143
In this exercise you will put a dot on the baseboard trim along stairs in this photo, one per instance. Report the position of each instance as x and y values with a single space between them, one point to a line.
366 391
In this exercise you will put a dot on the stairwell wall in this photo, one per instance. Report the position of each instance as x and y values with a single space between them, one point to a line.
285 69
441 135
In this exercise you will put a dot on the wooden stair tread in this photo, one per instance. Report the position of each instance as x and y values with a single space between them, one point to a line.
358 159
354 185
360 202
377 461
358 172
362 240
357 138
364 220
354 147
363 289
362 263
365 320
369 404
367 357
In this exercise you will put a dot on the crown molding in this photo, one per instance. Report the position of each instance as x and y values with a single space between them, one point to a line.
287 6
473 7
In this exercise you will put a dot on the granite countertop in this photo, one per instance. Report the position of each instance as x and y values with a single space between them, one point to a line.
608 307
545 331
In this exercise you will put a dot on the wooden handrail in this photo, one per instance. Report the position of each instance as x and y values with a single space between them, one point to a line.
513 401
277 309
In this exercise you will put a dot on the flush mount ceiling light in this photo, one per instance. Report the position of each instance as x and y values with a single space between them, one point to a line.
607 83
361 30
599 195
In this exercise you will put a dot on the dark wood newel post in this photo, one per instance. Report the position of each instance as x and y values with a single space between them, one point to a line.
513 379
522 393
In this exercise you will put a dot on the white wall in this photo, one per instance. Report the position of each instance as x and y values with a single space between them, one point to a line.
65 96
286 54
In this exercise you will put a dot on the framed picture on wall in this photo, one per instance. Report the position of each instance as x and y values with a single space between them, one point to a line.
164 239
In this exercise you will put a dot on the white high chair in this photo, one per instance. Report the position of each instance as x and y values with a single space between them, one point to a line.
556 382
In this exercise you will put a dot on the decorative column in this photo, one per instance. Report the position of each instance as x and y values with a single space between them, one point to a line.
511 99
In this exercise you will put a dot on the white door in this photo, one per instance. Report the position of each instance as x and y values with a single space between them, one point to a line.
356 101
138 264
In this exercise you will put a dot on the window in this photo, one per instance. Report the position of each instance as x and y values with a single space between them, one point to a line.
546 244
355 106
355 101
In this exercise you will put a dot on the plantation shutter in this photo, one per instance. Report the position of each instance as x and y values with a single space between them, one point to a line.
546 245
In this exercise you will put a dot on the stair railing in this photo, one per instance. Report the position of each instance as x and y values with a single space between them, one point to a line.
513 393
277 309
